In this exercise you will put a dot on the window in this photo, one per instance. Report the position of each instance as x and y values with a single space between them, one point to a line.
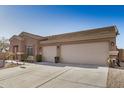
29 50
15 49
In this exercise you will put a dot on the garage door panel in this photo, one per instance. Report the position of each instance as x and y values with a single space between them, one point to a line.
49 52
88 53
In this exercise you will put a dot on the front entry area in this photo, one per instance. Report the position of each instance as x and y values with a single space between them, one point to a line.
15 51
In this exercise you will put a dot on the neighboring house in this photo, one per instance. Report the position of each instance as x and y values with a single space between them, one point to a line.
121 55
83 47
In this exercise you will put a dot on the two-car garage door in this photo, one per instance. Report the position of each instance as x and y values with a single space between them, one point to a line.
87 53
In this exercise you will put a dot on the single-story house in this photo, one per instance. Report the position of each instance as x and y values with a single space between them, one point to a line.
121 55
83 47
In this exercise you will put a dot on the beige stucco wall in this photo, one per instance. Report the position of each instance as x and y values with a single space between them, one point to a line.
49 52
88 53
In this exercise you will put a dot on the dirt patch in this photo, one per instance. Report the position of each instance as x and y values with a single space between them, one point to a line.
115 78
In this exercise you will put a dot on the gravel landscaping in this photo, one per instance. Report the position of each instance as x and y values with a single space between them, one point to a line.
9 65
116 77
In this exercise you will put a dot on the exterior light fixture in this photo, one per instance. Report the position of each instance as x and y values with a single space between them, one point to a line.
112 43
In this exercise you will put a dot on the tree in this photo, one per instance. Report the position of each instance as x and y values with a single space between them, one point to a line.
4 47
4 44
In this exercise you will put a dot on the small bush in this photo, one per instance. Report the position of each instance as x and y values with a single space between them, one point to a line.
110 62
24 57
10 56
39 58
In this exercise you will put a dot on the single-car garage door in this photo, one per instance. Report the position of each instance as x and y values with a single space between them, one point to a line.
87 53
49 52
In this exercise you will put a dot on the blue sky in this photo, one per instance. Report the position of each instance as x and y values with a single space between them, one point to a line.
49 20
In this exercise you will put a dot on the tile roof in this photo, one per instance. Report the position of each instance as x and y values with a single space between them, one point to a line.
105 32
20 36
31 35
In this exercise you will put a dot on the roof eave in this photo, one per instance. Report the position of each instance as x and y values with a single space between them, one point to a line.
116 29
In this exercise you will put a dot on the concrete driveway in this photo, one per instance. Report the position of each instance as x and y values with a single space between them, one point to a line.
49 75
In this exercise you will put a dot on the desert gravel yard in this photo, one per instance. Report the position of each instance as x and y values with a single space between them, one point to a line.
53 76
116 77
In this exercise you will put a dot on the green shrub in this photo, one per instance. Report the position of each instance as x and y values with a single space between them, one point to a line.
24 57
39 58
10 56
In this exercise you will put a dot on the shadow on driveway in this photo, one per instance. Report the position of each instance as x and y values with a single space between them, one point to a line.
70 65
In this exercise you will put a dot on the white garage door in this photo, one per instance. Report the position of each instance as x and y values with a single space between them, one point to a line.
88 53
49 52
